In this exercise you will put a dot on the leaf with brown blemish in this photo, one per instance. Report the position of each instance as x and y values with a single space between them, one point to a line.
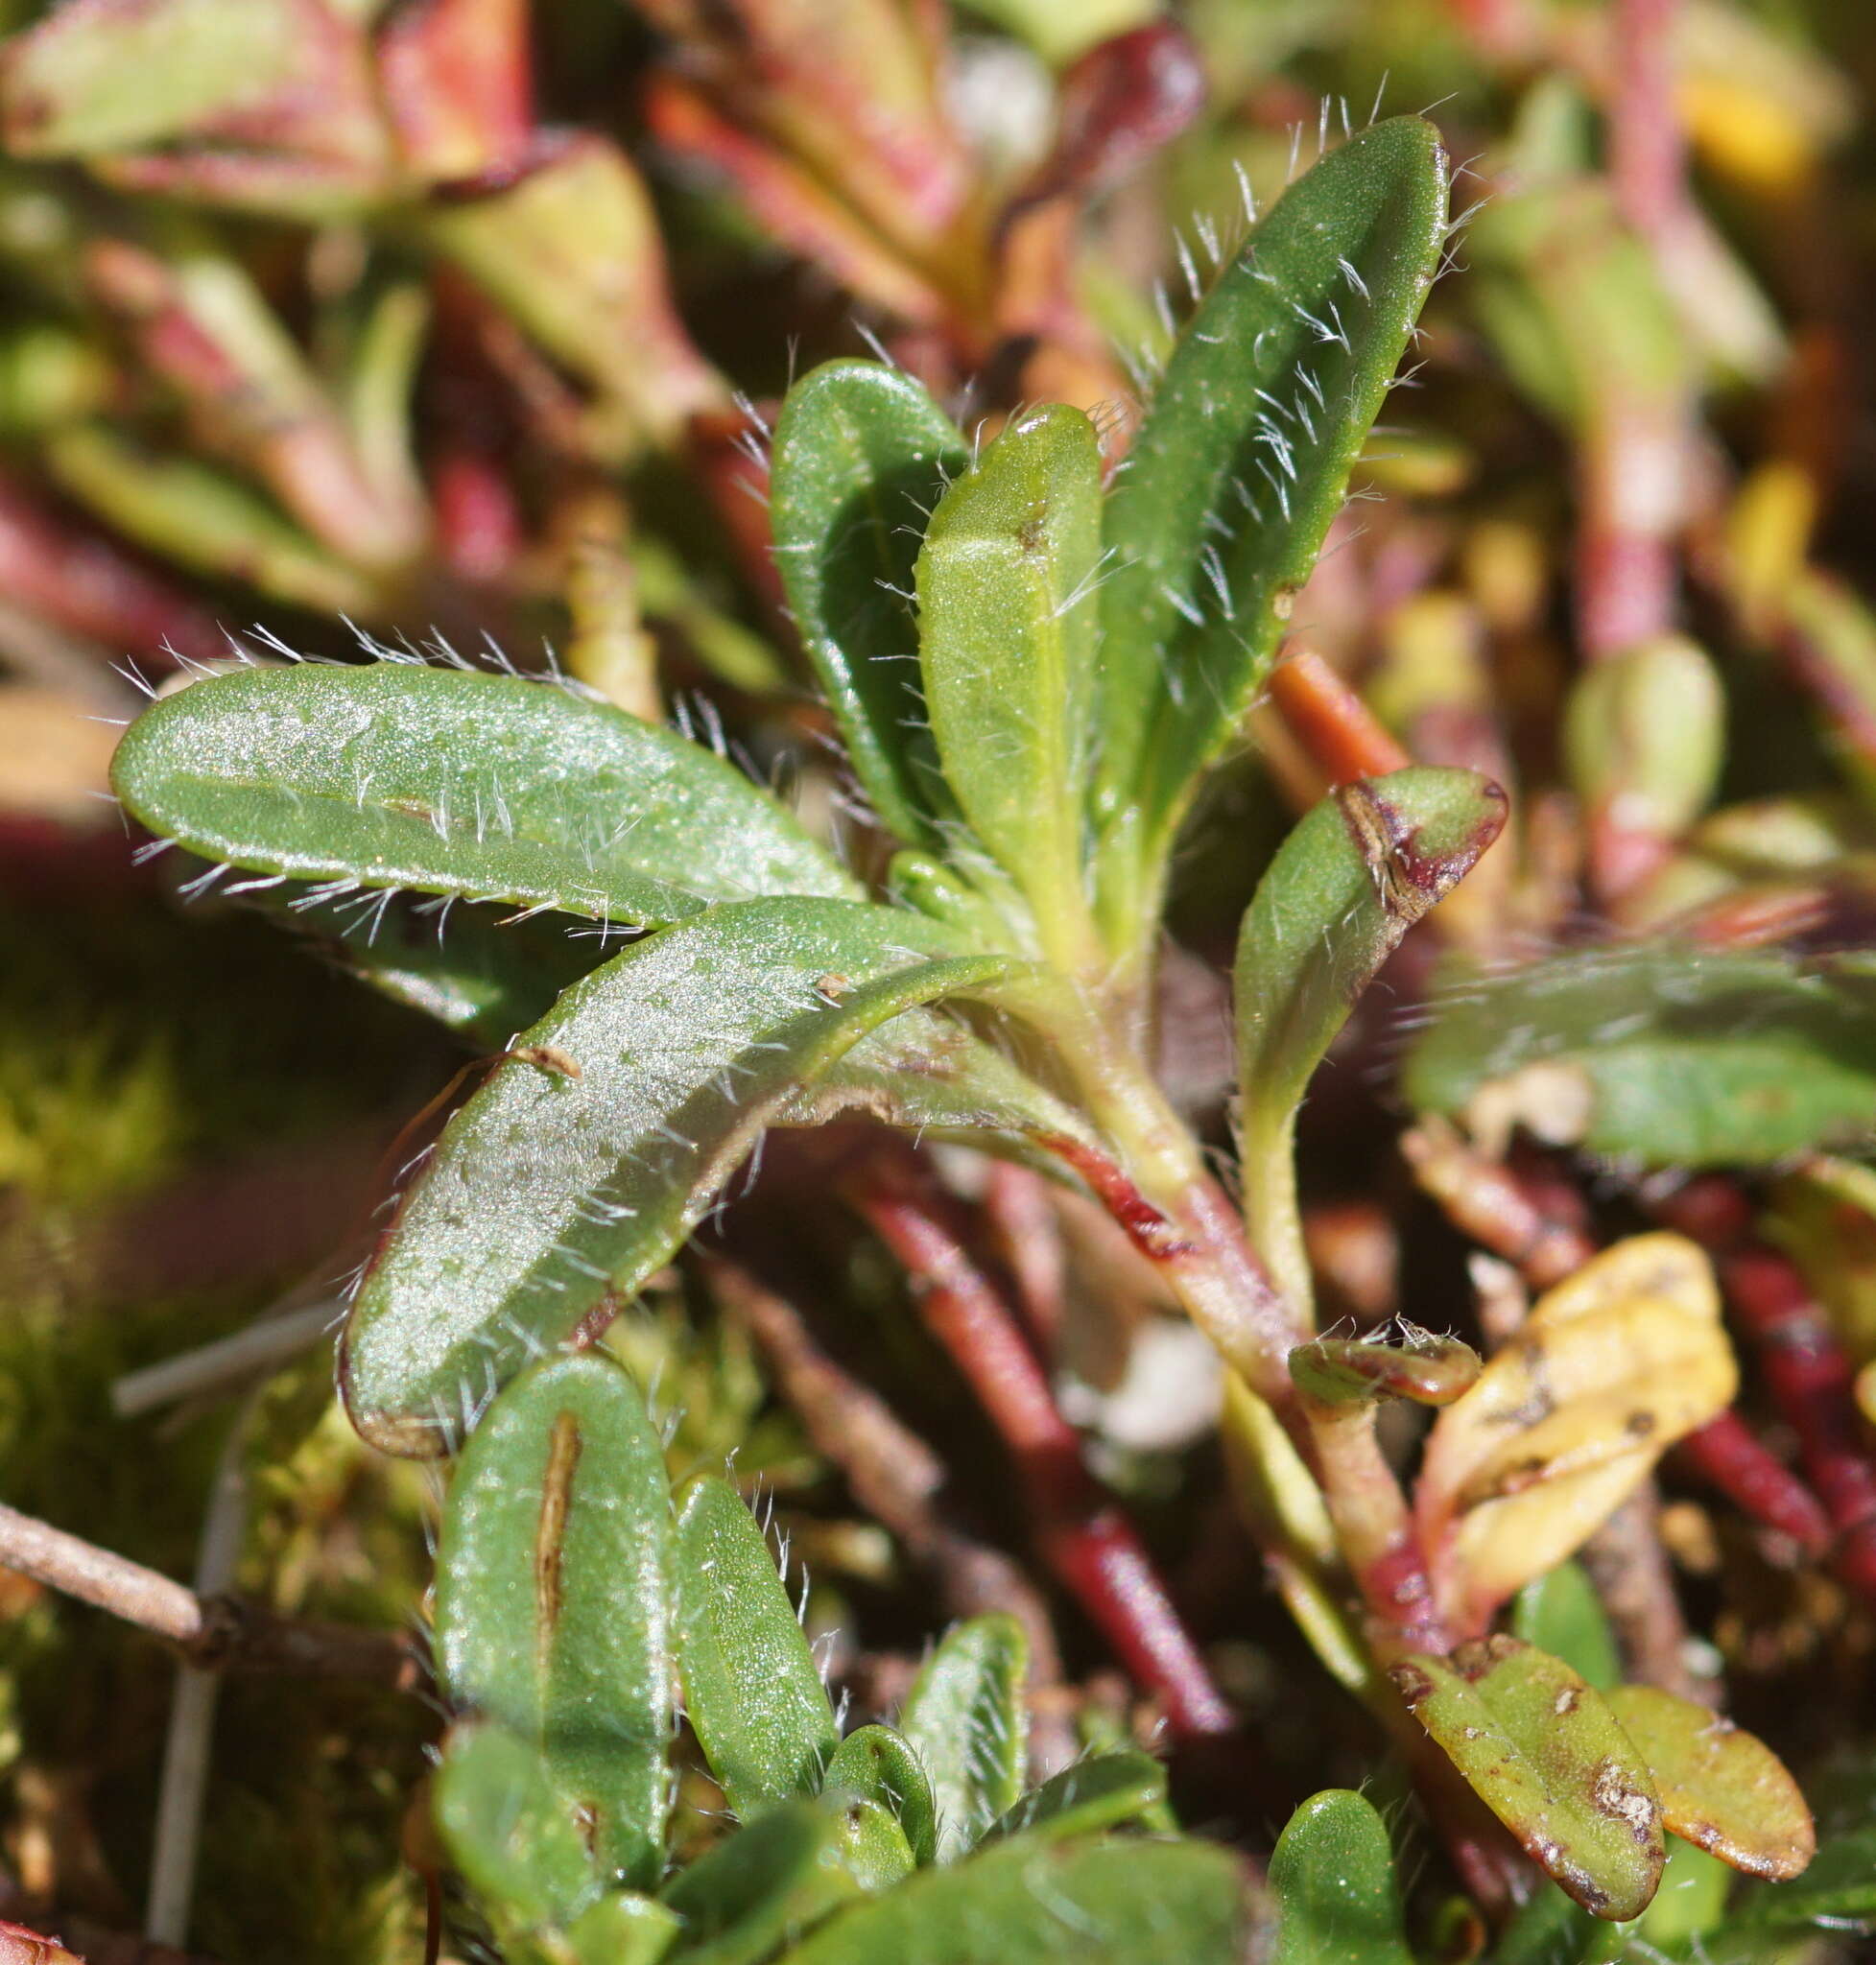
1430 1370
1546 1755
1344 888
1610 1370
552 1613
1722 1788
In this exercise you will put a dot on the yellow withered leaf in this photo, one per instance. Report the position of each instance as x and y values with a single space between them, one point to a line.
1610 1370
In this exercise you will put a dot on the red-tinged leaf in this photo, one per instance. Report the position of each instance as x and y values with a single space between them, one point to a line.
457 85
1721 1788
1430 1370
1119 103
567 243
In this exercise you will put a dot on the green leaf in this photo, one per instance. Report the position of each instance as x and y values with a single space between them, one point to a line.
1561 1613
1838 1891
1721 1788
396 776
1550 1929
1345 885
1008 626
549 1189
1100 1792
510 1833
965 1719
758 1888
553 1597
752 1694
482 977
1333 1873
878 1763
185 510
1126 1903
1241 465
1547 1757
862 456
621 1929
873 1844
1669 1054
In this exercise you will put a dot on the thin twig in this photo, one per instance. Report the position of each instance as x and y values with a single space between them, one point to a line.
264 1346
190 1738
893 1475
216 1633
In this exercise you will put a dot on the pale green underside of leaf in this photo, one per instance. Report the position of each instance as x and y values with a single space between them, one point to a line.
779 1875
1119 1903
547 1192
1100 1792
1333 1873
1689 1057
509 1832
553 1597
1243 459
396 775
751 1693
1008 619
963 1719
878 1763
862 456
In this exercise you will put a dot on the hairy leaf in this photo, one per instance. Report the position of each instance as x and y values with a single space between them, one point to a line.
1429 1369
1722 1789
1333 1874
1569 1417
963 1718
878 1763
773 1878
1664 1054
1049 1904
396 775
862 456
1345 885
1243 459
581 1165
751 1693
481 975
1547 1756
1008 626
1100 1793
553 1597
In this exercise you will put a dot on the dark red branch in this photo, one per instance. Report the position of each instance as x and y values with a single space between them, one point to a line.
1807 1371
1081 1532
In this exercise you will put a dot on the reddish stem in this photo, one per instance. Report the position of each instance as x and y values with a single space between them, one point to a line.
1518 1216
1807 1371
1082 1533
1342 736
1730 1457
